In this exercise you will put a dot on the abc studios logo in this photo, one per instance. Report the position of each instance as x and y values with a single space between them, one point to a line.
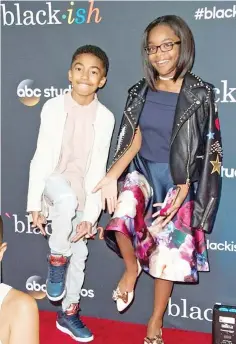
27 95
37 289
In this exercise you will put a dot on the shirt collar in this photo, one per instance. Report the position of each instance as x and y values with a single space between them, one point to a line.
70 103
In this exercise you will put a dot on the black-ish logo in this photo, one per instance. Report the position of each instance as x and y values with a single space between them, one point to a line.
183 309
225 93
13 14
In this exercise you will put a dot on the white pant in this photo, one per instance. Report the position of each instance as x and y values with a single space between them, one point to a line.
64 221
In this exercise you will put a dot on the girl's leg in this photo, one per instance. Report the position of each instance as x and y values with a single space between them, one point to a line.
162 294
23 317
127 251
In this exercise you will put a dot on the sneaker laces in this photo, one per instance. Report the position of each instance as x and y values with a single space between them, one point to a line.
76 321
56 273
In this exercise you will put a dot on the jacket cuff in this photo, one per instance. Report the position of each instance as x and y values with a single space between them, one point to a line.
204 218
34 206
91 214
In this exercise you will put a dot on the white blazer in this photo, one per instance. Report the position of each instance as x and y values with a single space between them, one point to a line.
47 155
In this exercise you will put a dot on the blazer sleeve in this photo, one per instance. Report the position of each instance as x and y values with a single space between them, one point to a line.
38 165
209 187
96 171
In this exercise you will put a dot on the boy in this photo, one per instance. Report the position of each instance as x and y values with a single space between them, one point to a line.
19 321
71 156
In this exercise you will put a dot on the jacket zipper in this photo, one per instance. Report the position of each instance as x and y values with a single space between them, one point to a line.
207 211
188 162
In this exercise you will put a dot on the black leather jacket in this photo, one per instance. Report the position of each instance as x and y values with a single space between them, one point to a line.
195 146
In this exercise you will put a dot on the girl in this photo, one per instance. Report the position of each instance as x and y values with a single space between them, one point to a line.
169 150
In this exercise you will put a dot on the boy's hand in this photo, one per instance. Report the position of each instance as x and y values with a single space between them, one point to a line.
84 229
38 221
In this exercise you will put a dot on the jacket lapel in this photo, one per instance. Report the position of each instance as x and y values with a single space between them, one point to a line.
187 104
96 128
135 103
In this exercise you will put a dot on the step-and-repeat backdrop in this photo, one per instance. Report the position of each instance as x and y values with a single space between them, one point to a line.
38 40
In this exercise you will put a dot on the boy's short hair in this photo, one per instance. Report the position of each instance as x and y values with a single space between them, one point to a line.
1 230
94 50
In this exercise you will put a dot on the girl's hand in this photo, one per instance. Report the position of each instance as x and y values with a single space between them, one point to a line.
108 187
166 215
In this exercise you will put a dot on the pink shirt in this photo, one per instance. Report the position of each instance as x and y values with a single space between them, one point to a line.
77 144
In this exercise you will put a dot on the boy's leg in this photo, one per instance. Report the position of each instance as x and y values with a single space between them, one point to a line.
59 192
65 203
68 321
75 274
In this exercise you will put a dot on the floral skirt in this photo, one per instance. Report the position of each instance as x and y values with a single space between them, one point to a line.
175 253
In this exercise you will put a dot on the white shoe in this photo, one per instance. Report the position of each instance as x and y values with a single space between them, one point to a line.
123 300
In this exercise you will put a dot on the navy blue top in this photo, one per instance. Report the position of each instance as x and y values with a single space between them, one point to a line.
156 122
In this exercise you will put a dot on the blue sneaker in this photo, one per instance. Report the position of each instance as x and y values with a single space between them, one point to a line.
55 284
69 322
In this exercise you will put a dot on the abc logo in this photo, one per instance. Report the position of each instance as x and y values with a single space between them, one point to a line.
27 95
87 293
35 287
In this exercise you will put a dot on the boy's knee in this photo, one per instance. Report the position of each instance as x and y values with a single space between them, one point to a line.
67 202
80 250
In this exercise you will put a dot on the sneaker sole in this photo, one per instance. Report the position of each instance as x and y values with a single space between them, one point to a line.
66 331
56 298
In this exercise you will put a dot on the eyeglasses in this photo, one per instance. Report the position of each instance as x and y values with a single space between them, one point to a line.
152 49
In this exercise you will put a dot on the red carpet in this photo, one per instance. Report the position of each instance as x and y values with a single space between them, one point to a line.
114 332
